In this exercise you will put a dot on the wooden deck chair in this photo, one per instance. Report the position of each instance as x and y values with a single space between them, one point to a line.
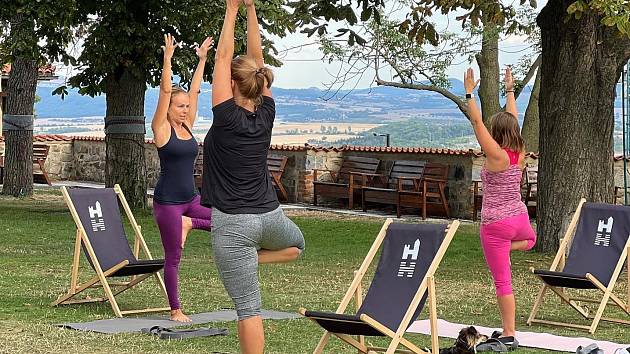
404 277
599 248
101 234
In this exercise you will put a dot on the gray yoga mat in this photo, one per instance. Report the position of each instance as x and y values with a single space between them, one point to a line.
136 324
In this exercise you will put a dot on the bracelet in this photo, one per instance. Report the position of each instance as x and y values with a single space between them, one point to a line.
508 91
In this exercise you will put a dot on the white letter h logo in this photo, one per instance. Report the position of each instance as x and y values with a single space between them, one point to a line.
413 253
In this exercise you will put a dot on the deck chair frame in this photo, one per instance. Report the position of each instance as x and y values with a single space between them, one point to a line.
608 296
111 288
428 284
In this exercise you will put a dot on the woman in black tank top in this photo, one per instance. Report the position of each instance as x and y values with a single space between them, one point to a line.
176 203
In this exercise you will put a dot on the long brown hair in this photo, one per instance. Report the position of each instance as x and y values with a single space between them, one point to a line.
506 132
250 79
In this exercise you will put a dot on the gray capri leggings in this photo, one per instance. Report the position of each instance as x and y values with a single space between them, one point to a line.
236 238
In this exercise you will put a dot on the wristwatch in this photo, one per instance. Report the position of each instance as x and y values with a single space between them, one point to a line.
469 96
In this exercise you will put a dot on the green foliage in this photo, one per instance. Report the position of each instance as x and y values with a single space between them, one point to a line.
385 47
613 13
417 25
127 36
37 30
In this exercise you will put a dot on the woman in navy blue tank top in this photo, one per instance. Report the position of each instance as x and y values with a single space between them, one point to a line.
176 204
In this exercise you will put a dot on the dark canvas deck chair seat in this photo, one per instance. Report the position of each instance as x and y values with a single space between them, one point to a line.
403 280
599 239
101 235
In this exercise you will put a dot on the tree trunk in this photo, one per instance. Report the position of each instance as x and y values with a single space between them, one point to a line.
581 63
18 171
488 61
125 162
531 122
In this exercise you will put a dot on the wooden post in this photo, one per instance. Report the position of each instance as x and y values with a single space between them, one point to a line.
358 298
1 100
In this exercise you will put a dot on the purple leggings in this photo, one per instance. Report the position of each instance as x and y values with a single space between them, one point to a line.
169 220
496 240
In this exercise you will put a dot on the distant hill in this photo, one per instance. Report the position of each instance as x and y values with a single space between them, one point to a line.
378 104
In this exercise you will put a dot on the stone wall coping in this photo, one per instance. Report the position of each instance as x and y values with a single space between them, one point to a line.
275 147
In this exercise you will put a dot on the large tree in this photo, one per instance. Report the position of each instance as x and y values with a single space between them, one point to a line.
121 55
33 32
585 44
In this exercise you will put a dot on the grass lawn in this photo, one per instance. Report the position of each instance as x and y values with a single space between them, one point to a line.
36 254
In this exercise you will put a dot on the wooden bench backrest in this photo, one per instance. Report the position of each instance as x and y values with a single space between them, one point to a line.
198 169
40 152
406 168
531 174
276 163
356 164
436 171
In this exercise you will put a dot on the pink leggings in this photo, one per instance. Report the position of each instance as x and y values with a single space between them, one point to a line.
496 239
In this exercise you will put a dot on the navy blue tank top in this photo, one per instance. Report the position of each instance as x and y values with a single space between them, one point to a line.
176 184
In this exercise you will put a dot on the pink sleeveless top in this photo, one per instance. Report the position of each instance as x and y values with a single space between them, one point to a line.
502 192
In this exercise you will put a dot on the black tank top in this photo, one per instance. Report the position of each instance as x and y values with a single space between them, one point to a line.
176 184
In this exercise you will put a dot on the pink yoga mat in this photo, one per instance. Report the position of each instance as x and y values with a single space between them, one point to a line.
525 339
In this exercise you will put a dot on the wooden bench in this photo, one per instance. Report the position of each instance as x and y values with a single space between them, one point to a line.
477 198
430 194
40 154
530 187
619 195
385 189
347 181
198 170
275 166
40 175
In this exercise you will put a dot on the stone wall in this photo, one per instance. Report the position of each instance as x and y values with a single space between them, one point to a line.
83 159
60 163
89 157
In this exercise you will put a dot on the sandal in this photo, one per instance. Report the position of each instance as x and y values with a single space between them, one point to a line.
498 344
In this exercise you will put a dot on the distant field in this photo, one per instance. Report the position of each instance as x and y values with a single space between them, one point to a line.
287 133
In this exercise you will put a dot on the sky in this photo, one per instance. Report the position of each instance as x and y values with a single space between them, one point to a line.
304 68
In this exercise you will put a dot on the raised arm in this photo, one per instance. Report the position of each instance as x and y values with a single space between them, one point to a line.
159 119
254 46
494 153
195 85
510 105
222 82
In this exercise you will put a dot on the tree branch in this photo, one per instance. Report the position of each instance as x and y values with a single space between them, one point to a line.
529 76
444 92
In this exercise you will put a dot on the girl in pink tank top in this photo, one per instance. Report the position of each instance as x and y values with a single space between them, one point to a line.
505 223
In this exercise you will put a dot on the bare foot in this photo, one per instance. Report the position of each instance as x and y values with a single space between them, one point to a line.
518 245
186 227
178 316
